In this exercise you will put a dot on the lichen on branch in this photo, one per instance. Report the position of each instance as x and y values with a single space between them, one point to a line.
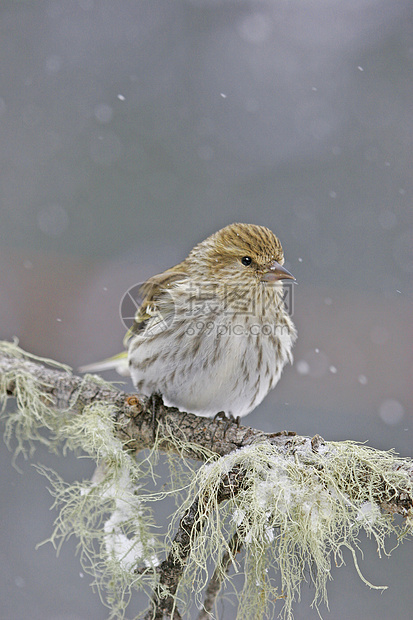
291 503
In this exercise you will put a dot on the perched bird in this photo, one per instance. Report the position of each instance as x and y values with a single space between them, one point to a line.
212 333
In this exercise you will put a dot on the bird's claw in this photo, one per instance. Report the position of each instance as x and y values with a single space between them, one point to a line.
156 403
221 415
228 419
283 434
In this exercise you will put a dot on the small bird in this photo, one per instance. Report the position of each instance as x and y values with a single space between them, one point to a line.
212 333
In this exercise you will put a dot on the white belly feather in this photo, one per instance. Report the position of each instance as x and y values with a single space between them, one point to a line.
211 370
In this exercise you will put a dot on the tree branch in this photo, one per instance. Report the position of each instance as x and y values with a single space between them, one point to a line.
272 482
133 417
171 569
215 583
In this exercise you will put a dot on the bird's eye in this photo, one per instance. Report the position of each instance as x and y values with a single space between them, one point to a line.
246 260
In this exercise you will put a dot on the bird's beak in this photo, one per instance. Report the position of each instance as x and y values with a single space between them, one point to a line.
274 271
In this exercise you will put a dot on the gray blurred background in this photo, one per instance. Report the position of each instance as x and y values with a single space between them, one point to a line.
132 129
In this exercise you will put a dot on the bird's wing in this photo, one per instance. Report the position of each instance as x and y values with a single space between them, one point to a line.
157 306
152 316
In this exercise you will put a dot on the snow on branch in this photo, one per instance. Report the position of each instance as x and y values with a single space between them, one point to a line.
289 502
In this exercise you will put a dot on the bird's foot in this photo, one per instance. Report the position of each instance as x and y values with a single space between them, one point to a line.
228 419
283 434
221 415
156 409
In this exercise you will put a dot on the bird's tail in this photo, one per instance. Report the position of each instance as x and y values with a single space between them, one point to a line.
117 362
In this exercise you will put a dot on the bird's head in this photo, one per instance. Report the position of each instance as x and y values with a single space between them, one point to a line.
243 255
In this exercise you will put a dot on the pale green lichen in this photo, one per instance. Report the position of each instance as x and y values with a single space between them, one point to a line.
112 525
295 513
108 515
295 516
34 414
